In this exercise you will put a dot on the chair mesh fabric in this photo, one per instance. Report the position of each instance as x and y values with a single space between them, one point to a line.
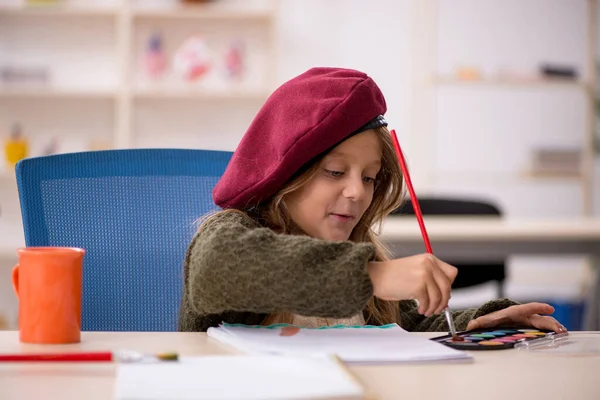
135 213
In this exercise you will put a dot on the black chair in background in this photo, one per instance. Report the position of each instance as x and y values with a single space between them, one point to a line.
469 274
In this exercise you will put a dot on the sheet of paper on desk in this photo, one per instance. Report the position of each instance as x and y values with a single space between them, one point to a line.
237 377
363 345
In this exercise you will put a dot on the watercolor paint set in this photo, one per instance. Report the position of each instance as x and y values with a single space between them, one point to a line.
491 339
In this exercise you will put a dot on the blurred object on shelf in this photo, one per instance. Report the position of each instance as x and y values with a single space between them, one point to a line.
43 2
557 161
192 58
155 61
468 73
15 147
24 75
235 59
558 71
3 323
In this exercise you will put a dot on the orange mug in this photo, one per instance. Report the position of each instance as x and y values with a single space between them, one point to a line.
48 283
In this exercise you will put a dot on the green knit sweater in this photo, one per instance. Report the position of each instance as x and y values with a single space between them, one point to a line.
236 271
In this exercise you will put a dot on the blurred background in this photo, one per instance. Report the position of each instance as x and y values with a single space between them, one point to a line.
492 99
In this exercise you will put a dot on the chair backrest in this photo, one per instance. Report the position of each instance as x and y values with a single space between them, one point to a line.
448 206
134 212
469 274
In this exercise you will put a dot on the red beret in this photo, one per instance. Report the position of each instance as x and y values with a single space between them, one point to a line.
304 117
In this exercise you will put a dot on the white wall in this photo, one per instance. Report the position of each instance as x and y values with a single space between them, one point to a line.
372 37
485 134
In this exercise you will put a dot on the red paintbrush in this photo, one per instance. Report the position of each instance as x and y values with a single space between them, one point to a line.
419 215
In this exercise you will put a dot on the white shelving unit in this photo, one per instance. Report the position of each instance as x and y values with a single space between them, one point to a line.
209 12
199 94
98 96
127 24
58 10
55 93
511 83
435 88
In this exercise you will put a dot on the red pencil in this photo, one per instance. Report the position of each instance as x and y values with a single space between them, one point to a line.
98 356
58 357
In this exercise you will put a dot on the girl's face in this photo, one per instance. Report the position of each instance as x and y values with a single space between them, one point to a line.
330 205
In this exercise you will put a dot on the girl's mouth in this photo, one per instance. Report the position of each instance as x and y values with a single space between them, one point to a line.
342 217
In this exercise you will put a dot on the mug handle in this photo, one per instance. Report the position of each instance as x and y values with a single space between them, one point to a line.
15 279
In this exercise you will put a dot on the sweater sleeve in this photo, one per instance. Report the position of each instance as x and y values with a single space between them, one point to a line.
234 266
413 321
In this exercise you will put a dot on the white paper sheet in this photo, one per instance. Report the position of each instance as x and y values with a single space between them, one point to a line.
237 377
364 345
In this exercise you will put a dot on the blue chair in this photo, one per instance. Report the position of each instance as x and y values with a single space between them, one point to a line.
134 212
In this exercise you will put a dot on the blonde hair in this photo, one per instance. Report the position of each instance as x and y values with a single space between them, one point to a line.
387 196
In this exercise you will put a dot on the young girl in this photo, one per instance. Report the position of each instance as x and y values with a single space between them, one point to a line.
314 173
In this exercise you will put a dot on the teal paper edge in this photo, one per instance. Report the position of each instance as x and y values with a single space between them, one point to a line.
339 326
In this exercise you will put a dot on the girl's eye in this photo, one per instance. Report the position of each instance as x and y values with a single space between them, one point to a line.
369 180
335 174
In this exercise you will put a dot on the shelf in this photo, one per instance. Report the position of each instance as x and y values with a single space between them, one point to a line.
204 12
200 94
506 177
534 175
511 83
11 93
57 10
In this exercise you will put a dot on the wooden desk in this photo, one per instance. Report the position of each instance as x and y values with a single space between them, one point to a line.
489 238
492 239
493 375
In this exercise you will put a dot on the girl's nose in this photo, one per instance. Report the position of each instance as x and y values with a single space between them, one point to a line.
354 188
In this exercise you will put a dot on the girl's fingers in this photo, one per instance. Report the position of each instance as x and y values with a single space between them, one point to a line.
435 296
547 323
448 270
423 299
473 324
521 315
525 310
444 286
489 320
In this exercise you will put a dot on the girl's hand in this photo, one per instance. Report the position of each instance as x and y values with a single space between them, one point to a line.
422 277
524 315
